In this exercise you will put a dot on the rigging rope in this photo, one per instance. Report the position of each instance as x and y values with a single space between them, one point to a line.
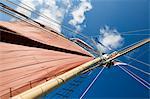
80 34
36 12
135 34
46 17
140 54
147 73
24 20
126 33
139 69
137 76
30 9
126 47
139 30
133 76
137 60
87 89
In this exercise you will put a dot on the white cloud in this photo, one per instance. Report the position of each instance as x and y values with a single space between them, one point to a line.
78 14
56 10
30 3
49 8
110 38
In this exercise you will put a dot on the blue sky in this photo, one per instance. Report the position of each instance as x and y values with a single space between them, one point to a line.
123 16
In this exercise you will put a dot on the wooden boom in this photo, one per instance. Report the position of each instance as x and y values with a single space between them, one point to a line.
57 81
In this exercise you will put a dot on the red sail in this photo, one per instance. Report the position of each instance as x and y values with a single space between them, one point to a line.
43 56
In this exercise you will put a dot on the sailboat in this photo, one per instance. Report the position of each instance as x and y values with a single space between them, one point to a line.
36 59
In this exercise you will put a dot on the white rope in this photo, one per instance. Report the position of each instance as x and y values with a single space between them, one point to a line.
134 77
138 77
139 69
147 73
87 89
